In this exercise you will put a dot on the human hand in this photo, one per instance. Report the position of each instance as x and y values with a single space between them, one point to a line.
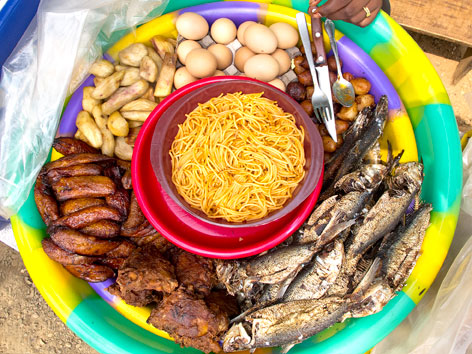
353 11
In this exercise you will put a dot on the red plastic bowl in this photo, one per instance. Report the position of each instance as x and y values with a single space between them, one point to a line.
168 126
189 232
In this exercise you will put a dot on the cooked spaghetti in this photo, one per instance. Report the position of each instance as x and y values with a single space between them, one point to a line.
238 157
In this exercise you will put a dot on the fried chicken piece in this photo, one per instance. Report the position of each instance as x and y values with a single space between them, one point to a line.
135 298
189 321
221 301
147 269
195 273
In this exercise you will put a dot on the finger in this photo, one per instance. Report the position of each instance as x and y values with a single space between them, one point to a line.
352 9
331 7
374 7
313 3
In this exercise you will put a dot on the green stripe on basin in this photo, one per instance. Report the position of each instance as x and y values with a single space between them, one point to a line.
442 159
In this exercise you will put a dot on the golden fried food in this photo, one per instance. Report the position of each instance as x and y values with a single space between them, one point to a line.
147 269
120 201
195 273
189 321
68 146
122 251
59 255
72 205
113 263
126 180
77 242
45 201
93 273
135 216
83 187
135 298
103 229
145 229
88 216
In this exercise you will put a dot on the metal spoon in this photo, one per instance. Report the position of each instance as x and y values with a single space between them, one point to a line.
342 89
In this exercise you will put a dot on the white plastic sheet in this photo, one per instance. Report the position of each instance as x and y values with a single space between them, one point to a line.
442 321
49 62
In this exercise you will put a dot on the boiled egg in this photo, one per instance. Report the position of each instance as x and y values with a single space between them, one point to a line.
182 77
223 31
287 36
241 29
223 55
241 56
201 63
283 59
191 25
185 47
260 39
262 67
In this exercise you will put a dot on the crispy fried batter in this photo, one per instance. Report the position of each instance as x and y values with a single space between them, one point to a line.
189 321
64 257
102 228
77 242
74 171
83 187
135 298
147 269
68 146
45 202
92 273
194 272
73 205
87 216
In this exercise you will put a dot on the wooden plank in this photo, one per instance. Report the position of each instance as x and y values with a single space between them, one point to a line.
446 19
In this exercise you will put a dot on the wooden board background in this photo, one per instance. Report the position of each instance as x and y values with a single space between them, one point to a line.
447 19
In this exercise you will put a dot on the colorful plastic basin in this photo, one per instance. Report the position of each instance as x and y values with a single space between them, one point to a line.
424 125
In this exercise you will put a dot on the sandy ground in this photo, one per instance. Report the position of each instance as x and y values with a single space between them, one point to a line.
28 325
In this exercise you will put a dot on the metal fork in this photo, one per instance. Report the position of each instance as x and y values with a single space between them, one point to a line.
318 100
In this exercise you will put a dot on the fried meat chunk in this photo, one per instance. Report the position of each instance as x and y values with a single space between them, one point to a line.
194 272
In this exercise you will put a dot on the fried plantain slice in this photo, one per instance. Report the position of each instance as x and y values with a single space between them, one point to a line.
122 251
126 180
135 216
92 273
45 201
68 146
77 159
72 205
120 201
72 171
114 263
83 187
59 255
87 216
145 229
102 229
77 242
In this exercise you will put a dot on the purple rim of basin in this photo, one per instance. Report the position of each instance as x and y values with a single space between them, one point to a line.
212 13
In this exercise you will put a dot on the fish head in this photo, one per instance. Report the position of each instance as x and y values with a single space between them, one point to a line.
408 176
236 339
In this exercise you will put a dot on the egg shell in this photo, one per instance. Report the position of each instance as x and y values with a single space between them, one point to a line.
278 83
201 63
241 29
223 31
191 25
223 55
262 67
241 56
185 47
260 39
287 36
283 59
182 77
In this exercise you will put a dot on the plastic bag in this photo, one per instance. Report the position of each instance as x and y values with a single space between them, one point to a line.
49 62
442 321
